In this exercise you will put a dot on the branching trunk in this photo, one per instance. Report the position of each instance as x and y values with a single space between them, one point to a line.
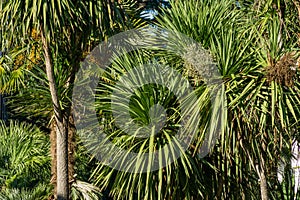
62 186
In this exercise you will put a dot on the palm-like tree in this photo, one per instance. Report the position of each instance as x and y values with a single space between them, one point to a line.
256 56
65 31
263 107
185 177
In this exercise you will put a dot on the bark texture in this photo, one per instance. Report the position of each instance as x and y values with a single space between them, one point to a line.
71 154
53 155
62 176
260 169
71 150
263 185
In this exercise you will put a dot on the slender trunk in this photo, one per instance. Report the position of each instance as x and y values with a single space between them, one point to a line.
263 185
62 186
71 148
62 165
2 108
71 124
220 179
260 168
53 155
71 153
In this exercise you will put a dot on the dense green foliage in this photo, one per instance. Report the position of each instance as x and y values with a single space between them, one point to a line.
25 160
256 49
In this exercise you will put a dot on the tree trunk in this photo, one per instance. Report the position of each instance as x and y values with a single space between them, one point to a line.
62 186
71 149
260 168
53 155
2 108
71 153
263 185
62 164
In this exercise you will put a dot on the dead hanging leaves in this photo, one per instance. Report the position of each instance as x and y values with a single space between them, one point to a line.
284 70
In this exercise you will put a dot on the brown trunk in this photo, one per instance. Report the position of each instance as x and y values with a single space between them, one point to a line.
53 155
62 179
71 148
